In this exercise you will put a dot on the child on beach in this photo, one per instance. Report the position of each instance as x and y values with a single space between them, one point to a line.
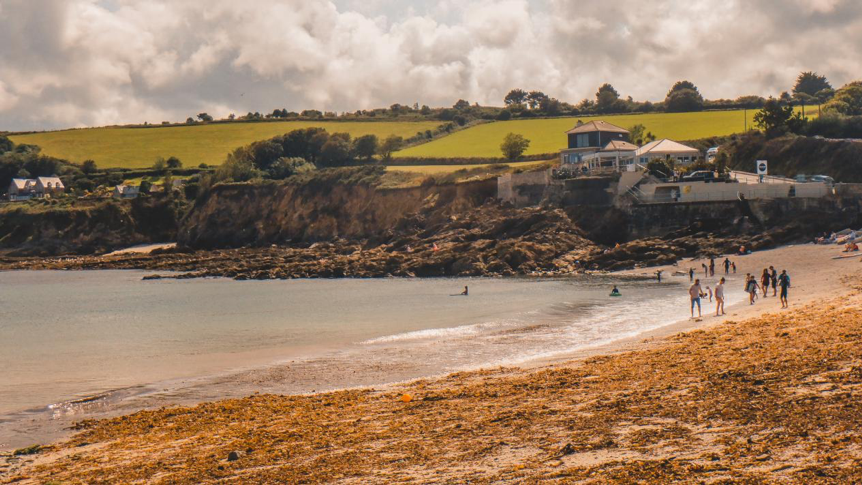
719 298
709 292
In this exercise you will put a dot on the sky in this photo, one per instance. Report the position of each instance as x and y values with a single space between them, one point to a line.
74 63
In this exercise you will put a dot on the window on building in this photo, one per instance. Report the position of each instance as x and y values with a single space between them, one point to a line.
583 140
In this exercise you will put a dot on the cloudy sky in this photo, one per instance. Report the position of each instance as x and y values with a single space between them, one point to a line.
68 63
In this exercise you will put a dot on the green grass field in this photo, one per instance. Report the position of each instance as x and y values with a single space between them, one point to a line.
442 169
210 144
548 135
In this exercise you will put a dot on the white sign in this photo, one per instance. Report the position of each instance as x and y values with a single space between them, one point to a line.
761 167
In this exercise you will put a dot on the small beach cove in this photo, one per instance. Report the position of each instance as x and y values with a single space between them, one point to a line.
91 344
816 277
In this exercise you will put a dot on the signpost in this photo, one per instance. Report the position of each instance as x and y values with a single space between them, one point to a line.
761 169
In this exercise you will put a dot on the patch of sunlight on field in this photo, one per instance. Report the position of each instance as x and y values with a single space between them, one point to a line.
437 169
548 135
139 147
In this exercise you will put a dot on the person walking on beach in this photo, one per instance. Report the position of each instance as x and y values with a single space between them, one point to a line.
658 275
764 282
784 283
733 265
773 276
691 274
726 266
711 266
719 298
695 292
705 270
751 288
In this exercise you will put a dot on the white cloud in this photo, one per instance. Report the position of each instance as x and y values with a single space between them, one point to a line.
89 62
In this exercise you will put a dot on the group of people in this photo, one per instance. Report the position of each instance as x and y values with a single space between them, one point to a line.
696 292
769 277
708 270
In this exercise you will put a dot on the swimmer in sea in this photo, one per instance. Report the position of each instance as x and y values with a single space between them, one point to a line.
615 291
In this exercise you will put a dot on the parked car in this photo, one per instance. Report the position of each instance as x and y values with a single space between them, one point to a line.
700 176
823 178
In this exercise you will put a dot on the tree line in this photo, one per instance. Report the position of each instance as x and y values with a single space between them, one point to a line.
304 150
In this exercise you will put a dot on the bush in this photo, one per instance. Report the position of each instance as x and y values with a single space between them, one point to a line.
514 146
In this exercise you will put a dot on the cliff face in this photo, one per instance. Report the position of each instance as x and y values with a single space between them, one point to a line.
243 214
86 227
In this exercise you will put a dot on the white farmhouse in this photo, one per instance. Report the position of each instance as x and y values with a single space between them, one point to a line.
48 186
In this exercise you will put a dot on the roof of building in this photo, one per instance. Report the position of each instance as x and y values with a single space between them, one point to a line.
54 181
619 146
597 125
127 189
22 183
666 147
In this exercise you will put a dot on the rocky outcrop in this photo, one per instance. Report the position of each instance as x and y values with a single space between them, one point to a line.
239 215
49 228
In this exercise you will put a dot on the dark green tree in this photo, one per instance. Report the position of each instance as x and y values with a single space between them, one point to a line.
683 97
776 119
515 96
607 99
88 167
6 145
336 151
847 100
513 146
810 83
391 144
461 105
173 163
535 99
365 147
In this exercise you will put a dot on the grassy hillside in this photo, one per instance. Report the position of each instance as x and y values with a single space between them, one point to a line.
196 144
443 169
548 135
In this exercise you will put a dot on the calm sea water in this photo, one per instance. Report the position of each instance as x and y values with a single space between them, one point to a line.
70 336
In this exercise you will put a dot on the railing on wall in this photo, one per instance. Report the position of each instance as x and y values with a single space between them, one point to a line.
798 191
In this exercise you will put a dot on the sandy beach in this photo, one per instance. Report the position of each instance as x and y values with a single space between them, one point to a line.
759 395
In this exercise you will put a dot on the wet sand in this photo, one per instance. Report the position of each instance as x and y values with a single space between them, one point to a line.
763 394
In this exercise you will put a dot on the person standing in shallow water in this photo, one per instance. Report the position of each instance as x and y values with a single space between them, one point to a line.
691 274
726 266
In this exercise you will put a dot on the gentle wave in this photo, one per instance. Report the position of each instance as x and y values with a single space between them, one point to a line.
435 333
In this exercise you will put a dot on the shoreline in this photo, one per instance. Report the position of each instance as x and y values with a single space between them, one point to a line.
808 286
